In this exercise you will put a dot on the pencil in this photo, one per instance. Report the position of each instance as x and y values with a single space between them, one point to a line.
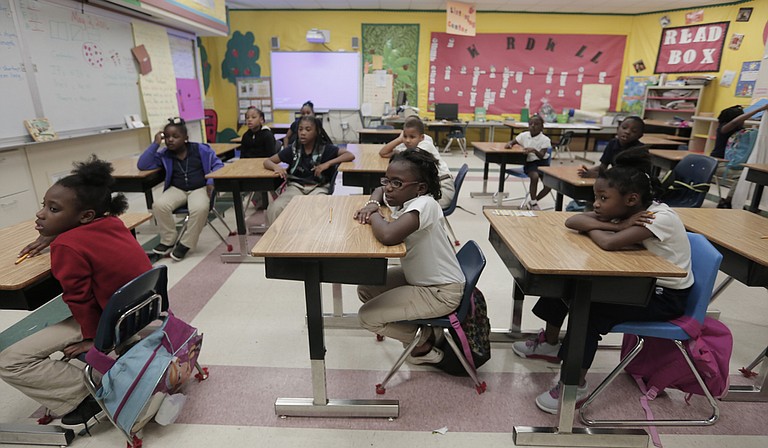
330 215
764 237
22 258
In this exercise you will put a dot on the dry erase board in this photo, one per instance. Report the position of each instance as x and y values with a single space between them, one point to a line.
14 85
331 80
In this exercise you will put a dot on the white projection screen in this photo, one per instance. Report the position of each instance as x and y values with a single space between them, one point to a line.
331 80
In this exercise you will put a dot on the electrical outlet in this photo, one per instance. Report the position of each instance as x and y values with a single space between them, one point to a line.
344 125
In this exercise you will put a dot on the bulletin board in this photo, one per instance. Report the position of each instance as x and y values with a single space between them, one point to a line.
506 72
377 90
254 92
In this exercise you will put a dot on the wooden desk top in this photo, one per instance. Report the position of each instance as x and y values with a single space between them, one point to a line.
568 174
243 169
321 226
495 147
666 136
236 140
574 126
674 154
14 238
126 167
367 159
737 230
221 148
665 124
545 246
757 166
379 131
654 139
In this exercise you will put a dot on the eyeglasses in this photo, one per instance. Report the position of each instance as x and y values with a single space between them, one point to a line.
396 183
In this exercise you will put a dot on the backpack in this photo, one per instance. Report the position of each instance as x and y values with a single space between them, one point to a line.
472 336
738 148
135 385
661 365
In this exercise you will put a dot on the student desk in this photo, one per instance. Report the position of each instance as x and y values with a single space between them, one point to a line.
491 152
366 135
757 173
565 180
562 127
29 284
547 259
681 140
316 240
237 177
366 170
737 234
225 151
130 179
656 141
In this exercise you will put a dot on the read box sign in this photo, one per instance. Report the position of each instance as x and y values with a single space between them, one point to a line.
688 49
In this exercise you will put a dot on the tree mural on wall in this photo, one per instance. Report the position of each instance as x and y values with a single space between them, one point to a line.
241 57
398 45
205 64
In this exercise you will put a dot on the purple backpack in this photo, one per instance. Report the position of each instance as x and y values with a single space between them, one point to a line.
661 365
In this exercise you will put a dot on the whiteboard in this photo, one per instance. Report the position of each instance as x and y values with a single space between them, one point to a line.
14 87
331 80
85 73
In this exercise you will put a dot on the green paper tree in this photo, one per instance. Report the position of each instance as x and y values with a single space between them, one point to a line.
241 57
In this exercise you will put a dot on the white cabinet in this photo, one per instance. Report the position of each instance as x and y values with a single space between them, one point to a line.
17 197
671 103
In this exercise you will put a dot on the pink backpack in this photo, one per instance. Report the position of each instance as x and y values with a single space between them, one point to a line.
661 365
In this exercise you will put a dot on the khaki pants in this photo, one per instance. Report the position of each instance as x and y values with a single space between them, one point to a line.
291 190
197 202
27 366
449 191
731 179
383 305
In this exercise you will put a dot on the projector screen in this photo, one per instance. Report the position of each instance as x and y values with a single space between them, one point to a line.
331 80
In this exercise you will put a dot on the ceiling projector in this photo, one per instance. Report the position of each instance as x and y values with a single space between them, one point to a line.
316 36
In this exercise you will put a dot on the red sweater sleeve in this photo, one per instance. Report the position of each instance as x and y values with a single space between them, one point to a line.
74 273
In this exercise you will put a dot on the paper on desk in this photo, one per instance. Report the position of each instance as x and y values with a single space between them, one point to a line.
440 431
504 212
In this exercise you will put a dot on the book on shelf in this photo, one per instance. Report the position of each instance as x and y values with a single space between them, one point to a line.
40 129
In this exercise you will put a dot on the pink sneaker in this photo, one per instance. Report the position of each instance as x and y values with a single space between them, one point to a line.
537 348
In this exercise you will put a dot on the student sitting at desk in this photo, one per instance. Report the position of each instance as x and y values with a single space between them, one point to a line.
186 165
627 136
307 108
537 146
258 140
93 254
430 282
413 137
312 163
624 215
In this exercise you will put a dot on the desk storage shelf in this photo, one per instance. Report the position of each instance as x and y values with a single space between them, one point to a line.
665 103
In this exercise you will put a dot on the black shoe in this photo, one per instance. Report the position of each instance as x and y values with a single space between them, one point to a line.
87 413
162 249
179 252
724 203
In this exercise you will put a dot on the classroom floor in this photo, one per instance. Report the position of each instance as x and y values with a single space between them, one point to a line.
256 349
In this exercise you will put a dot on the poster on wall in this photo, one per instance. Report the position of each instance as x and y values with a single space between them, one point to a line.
746 84
460 19
394 48
504 73
691 49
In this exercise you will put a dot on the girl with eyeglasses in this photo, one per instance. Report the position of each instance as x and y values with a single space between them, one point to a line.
429 283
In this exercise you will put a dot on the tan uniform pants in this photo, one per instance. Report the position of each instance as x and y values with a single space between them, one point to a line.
197 202
292 189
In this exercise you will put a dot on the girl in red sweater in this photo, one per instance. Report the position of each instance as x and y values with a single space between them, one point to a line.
92 255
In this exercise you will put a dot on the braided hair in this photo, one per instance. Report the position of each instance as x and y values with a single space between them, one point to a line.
632 173
92 180
424 165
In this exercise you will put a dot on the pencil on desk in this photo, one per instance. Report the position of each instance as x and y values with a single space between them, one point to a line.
22 258
764 237
330 215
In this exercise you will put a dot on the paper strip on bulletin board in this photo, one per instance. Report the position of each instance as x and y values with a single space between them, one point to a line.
596 97
158 87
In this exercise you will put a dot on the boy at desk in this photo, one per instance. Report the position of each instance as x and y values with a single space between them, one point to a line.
413 137
536 145
92 255
627 136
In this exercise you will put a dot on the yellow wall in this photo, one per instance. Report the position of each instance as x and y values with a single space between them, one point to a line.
643 33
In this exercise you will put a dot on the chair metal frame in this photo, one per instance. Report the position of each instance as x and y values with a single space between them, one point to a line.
183 210
472 262
458 133
458 181
520 174
565 141
705 261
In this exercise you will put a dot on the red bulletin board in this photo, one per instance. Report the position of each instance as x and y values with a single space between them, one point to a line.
506 72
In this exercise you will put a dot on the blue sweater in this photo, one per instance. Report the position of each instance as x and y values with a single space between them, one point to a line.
154 157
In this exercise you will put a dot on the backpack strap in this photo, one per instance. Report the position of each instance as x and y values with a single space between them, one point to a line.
647 396
463 339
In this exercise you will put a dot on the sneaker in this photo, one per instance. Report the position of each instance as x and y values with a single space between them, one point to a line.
162 249
87 413
549 401
433 356
534 206
179 252
724 203
537 348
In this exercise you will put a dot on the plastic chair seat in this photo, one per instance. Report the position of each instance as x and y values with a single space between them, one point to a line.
663 330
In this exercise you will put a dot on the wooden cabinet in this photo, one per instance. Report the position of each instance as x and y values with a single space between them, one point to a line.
670 103
704 132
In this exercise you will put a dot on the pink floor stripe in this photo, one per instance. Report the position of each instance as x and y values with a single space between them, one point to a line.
245 396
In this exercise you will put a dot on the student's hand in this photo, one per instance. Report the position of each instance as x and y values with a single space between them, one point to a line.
159 138
363 216
641 218
509 144
320 168
281 171
71 351
37 246
583 171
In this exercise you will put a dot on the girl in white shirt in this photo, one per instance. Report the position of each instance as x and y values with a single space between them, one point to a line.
429 283
536 145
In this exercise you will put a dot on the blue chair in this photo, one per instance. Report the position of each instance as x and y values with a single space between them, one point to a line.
458 181
520 174
692 177
183 210
705 261
472 263
458 134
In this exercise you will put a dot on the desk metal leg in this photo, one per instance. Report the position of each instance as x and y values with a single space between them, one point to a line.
338 319
756 392
320 405
29 434
559 202
754 205
565 434
514 332
242 238
586 148
484 193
